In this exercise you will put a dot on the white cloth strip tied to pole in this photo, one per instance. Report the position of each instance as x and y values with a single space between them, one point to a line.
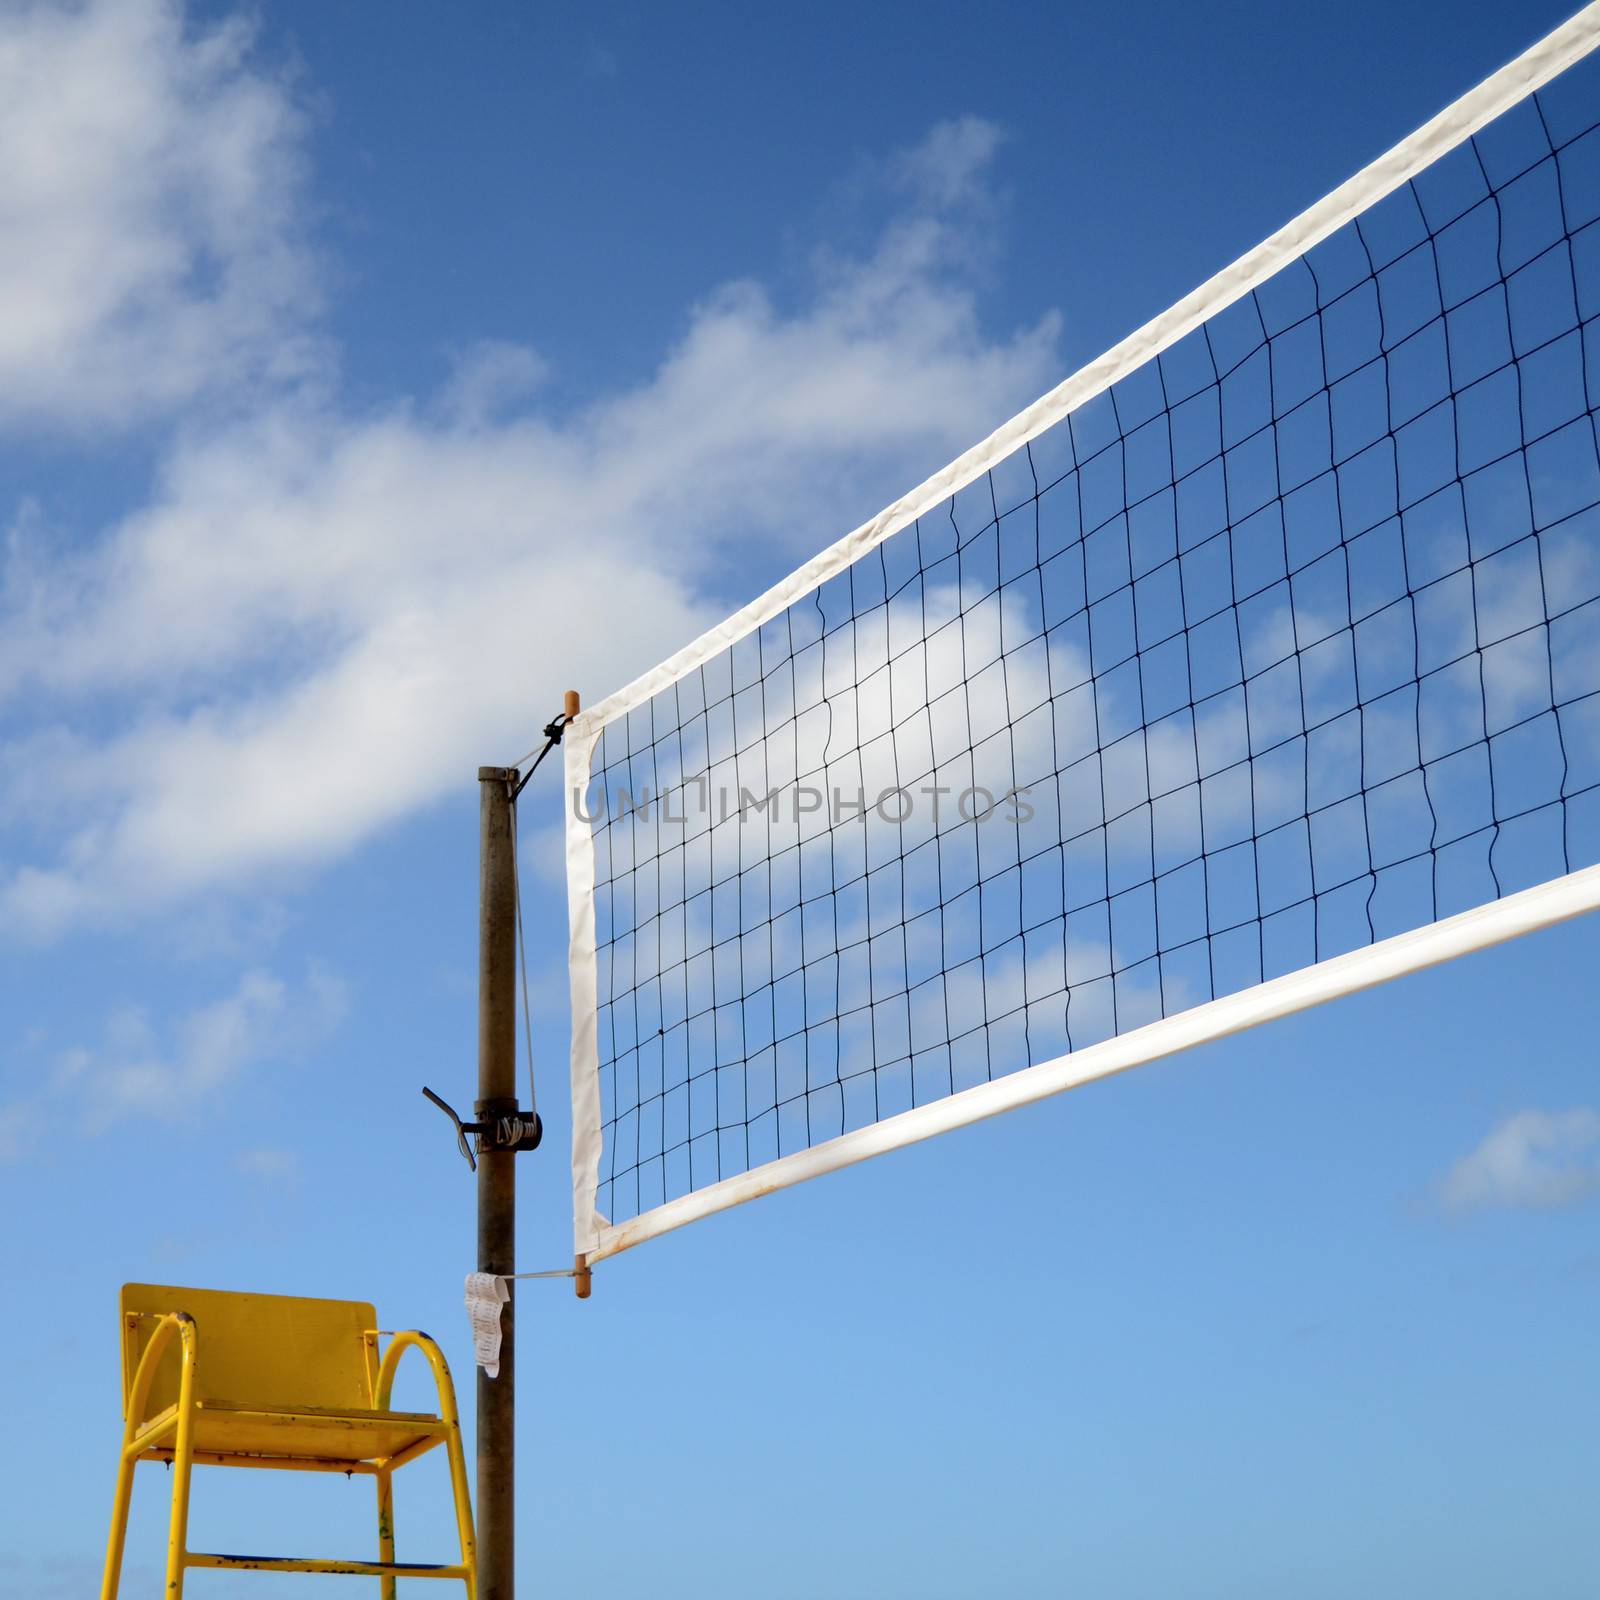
486 1293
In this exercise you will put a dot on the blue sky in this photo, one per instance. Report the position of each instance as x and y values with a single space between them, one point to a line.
366 377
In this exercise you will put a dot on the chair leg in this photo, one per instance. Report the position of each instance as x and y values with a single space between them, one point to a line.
112 1579
452 1421
178 1528
463 1499
385 1482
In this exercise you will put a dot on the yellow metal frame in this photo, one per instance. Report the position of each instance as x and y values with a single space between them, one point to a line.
169 1436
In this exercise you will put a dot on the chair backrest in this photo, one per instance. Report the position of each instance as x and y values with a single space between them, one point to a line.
269 1350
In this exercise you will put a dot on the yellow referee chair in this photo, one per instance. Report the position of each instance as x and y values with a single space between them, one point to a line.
267 1380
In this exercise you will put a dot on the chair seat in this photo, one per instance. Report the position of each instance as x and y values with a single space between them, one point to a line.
306 1433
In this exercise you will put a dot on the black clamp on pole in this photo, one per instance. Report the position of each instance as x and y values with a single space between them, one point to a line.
500 1126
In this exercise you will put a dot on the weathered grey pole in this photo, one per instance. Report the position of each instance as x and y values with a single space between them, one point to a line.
497 1176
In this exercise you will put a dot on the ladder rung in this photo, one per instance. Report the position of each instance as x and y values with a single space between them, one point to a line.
348 1569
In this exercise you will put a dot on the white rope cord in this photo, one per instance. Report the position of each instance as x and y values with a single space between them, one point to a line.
518 763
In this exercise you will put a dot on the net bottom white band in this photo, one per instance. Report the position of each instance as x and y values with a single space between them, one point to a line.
1477 929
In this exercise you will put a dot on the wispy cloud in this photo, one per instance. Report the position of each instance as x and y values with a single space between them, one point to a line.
154 248
599 61
139 1069
268 1166
336 614
1535 1160
951 166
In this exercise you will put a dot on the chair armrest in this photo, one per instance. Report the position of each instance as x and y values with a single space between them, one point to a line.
178 1323
398 1345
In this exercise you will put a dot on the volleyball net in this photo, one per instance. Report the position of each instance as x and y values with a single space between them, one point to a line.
1256 663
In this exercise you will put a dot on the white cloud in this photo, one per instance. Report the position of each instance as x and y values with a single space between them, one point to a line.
325 620
1534 1160
153 248
139 1070
269 1166
950 166
599 61
489 379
